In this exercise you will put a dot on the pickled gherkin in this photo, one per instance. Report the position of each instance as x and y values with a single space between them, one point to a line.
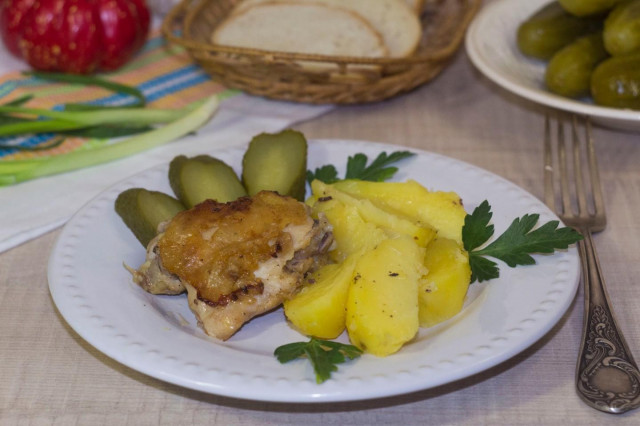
550 29
616 82
588 7
199 178
569 71
622 29
143 210
276 162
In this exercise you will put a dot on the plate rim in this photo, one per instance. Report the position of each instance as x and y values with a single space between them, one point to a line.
314 393
478 25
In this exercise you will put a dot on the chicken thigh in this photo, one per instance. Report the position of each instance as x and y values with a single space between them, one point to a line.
236 260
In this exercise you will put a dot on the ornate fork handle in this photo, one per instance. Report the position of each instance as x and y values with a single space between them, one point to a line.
607 377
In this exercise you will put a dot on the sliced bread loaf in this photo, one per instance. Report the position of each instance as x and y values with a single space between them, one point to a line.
301 27
416 5
393 19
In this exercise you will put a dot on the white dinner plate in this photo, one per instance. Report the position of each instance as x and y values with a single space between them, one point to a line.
158 335
491 46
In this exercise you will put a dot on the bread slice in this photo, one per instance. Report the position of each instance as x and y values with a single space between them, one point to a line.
393 19
416 5
302 28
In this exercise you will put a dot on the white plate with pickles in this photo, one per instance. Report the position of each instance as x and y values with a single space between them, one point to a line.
159 336
492 47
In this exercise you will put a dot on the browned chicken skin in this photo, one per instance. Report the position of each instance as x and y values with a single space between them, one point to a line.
236 260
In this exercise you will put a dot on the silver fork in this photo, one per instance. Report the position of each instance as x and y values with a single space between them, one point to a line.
607 378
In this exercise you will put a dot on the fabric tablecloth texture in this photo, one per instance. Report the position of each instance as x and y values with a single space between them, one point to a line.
49 375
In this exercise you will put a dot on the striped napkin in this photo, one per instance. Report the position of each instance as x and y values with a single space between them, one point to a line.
168 79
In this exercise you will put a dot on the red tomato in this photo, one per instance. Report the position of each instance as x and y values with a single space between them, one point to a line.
11 14
76 36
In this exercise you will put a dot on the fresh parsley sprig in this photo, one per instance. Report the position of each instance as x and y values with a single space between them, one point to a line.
324 355
514 246
378 171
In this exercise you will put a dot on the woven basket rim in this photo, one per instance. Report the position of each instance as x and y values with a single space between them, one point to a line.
184 10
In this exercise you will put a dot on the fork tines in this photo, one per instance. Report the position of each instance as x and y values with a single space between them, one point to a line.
575 194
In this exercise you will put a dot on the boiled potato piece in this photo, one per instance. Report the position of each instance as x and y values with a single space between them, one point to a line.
350 231
319 308
395 222
382 306
443 290
440 210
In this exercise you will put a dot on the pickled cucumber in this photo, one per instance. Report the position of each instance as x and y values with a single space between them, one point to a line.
588 7
143 210
569 71
552 28
616 82
196 179
622 29
276 162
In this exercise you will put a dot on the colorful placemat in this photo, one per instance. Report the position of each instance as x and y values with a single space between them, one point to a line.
166 75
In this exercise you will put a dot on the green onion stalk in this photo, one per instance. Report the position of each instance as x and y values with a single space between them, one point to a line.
180 122
70 120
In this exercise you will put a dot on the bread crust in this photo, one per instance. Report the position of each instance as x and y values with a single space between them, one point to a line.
397 23
291 26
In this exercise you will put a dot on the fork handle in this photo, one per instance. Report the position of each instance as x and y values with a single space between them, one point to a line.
607 378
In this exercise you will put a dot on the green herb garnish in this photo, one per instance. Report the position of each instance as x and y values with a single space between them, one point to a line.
19 101
323 354
89 80
67 120
53 143
106 132
514 246
377 171
326 174
82 120
14 171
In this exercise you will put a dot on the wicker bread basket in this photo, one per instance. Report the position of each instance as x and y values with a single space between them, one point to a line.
318 79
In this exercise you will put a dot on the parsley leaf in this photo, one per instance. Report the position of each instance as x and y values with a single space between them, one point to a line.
377 171
327 174
514 246
476 229
323 354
